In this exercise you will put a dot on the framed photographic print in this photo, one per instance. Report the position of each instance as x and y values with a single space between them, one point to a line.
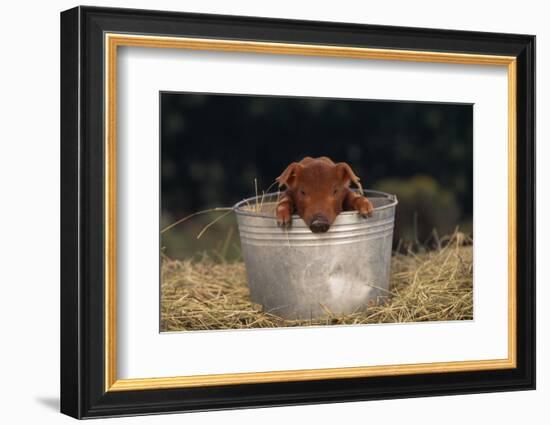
261 212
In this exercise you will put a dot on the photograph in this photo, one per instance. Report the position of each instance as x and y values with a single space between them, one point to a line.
284 211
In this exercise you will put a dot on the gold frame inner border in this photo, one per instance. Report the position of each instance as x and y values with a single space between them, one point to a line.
113 41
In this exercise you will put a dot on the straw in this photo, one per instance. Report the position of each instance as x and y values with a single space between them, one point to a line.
431 286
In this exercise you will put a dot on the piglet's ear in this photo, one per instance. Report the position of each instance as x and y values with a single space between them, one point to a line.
347 175
289 176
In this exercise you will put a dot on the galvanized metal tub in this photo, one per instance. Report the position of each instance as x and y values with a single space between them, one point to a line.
297 274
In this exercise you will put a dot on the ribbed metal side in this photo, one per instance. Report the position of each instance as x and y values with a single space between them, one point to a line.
338 234
295 273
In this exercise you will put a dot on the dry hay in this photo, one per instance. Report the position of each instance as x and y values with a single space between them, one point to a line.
430 286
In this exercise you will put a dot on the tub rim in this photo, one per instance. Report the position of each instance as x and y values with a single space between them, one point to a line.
238 206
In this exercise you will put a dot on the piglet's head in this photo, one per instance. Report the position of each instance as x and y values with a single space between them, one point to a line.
318 188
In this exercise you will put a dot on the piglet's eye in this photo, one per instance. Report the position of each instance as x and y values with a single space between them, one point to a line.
335 191
302 192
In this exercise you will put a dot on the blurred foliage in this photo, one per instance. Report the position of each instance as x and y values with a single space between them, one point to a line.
214 146
425 211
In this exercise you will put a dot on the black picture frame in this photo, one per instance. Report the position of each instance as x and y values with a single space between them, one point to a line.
83 392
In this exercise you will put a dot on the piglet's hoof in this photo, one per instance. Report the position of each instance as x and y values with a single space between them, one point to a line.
284 217
284 220
284 224
364 207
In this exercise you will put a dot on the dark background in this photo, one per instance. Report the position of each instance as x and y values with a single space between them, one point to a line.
213 147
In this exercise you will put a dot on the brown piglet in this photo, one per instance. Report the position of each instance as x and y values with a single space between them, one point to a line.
317 189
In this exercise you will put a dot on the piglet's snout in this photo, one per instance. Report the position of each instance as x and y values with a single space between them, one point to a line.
319 224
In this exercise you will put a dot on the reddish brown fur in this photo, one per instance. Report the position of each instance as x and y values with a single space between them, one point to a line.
318 190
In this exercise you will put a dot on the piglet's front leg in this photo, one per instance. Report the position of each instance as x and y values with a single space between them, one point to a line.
355 201
284 210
